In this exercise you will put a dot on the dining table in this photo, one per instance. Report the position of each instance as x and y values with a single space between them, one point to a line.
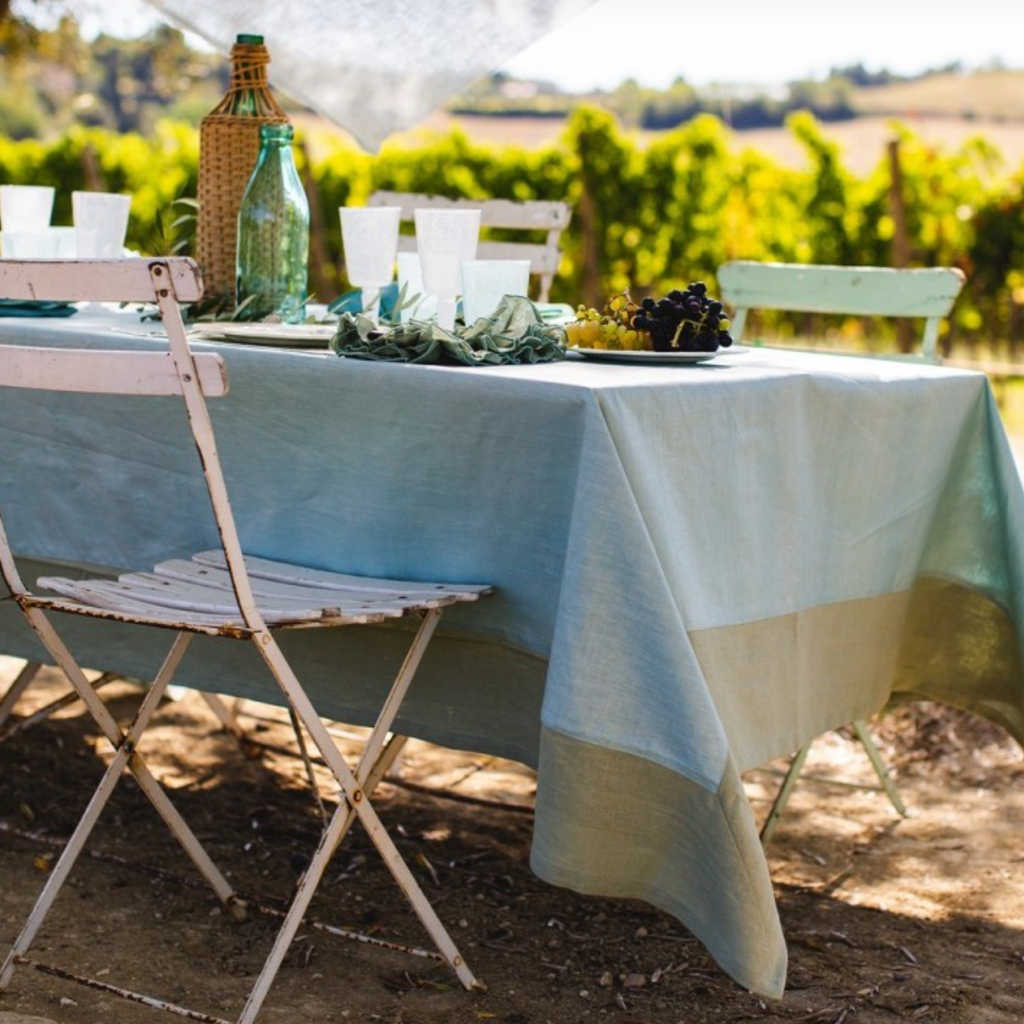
697 568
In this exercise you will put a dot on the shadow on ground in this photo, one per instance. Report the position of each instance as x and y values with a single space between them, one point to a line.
886 919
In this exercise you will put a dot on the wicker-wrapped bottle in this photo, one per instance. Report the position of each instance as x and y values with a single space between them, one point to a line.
229 145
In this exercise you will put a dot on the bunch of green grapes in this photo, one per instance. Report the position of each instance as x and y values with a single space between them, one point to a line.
612 328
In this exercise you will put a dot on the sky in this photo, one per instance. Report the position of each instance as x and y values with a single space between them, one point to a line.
770 41
735 41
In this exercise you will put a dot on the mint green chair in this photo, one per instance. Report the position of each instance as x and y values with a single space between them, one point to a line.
927 294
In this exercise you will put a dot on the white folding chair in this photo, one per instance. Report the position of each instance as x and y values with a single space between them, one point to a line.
221 594
20 684
927 294
531 215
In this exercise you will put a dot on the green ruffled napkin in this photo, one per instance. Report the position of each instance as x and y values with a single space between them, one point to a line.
514 334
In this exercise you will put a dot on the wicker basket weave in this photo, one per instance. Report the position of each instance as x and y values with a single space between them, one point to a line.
229 143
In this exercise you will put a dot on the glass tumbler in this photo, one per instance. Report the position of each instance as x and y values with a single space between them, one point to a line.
25 208
486 282
101 223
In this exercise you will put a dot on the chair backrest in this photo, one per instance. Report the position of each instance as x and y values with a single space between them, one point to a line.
193 376
533 215
854 291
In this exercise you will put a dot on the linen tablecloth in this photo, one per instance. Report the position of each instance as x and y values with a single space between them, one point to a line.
697 568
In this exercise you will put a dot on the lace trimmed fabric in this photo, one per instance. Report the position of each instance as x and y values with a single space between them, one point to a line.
514 334
376 66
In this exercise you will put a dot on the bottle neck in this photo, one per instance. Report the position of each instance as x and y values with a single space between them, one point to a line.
249 66
276 138
248 78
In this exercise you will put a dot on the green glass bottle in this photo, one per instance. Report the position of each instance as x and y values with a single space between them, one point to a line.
273 234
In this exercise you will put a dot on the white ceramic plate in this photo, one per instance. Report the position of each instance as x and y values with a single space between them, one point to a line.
608 355
281 335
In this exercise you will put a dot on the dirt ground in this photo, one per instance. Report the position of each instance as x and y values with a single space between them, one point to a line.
887 919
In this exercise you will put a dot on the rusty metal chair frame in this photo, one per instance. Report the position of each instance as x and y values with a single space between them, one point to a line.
222 594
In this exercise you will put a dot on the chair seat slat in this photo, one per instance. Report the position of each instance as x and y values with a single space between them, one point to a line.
146 617
129 601
95 595
265 569
218 592
119 595
270 591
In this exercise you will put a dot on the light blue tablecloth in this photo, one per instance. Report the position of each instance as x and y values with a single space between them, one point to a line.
696 568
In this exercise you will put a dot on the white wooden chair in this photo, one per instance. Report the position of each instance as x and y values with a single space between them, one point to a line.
854 291
533 215
221 594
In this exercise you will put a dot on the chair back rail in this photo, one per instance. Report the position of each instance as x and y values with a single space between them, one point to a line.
543 259
927 293
107 372
95 280
533 215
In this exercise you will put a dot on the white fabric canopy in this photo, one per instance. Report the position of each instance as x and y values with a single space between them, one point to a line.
376 66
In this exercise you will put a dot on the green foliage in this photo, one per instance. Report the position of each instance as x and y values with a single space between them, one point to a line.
645 218
53 79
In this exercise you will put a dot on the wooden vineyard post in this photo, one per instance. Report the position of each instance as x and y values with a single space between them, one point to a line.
901 249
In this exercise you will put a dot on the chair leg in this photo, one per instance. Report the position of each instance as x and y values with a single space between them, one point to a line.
300 739
860 727
785 792
18 687
147 783
356 787
111 777
225 715
45 712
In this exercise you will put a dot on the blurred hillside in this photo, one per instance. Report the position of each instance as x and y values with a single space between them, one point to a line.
51 80
984 95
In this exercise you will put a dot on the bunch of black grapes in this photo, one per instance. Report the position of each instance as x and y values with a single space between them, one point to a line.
684 321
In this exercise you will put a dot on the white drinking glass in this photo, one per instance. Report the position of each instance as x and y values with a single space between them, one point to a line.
445 239
25 207
370 237
420 306
101 223
22 245
66 242
486 282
